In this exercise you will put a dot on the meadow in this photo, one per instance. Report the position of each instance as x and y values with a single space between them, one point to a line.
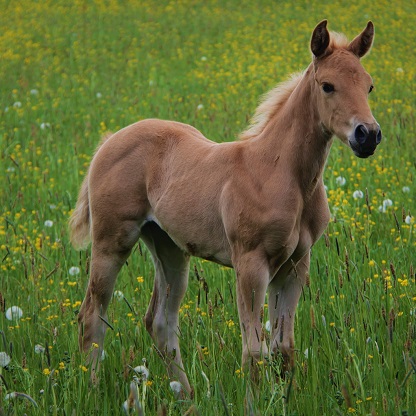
71 71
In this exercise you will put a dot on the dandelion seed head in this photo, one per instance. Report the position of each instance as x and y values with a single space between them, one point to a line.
200 107
405 189
176 387
4 359
267 326
358 194
39 349
48 223
74 270
387 203
142 371
118 294
409 220
340 181
14 313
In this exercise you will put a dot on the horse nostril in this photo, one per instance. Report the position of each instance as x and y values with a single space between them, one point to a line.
361 133
379 136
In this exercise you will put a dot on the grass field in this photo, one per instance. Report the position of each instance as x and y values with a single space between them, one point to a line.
70 71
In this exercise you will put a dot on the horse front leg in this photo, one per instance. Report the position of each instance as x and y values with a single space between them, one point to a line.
252 280
284 293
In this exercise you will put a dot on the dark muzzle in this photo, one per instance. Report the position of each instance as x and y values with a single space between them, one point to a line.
365 140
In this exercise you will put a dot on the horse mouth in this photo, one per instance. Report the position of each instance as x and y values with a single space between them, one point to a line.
359 152
363 155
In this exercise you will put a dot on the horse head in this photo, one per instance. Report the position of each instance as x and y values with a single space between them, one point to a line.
342 86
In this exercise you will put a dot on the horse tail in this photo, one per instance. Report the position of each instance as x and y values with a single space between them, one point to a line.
79 222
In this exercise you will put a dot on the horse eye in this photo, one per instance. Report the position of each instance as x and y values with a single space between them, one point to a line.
371 89
328 87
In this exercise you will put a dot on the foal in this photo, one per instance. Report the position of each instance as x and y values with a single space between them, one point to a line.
257 204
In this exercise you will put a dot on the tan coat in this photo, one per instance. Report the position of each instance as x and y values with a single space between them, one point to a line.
257 204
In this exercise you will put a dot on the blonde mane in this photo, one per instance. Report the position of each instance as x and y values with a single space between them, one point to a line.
270 104
273 100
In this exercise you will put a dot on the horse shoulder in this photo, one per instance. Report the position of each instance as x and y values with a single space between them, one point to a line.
316 215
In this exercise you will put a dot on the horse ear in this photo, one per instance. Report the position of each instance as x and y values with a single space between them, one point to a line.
320 39
362 43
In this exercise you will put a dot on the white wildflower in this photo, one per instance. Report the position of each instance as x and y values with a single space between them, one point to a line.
200 107
14 313
44 126
99 95
48 223
203 58
405 189
408 220
11 169
34 91
17 104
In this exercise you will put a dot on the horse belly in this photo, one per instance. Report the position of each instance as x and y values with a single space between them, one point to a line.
197 236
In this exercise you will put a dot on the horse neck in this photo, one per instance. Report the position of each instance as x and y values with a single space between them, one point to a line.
295 137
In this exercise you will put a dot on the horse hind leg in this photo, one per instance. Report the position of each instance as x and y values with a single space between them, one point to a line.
162 316
112 242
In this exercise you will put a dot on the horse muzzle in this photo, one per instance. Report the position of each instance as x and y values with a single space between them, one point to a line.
364 139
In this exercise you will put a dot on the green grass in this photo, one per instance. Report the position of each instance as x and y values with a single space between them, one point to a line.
73 70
